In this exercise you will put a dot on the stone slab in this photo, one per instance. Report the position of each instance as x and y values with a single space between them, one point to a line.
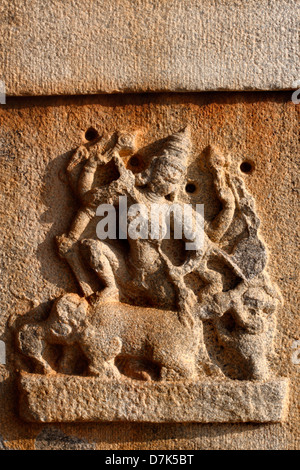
36 140
81 47
69 399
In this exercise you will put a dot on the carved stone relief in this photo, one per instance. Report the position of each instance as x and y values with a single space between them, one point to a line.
155 332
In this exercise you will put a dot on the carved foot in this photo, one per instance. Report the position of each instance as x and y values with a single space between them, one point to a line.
44 369
108 370
260 370
214 371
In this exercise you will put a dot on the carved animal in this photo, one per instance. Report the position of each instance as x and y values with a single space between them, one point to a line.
65 326
113 329
251 307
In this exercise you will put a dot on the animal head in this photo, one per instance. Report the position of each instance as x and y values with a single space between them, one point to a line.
70 309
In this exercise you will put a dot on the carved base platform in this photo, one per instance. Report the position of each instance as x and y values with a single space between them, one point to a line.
94 399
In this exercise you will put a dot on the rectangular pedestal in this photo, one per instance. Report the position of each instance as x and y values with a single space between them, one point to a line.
70 399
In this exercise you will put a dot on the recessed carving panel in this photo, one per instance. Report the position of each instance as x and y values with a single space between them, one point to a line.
142 326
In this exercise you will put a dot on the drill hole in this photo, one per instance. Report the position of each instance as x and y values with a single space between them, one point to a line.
134 161
91 134
246 167
190 188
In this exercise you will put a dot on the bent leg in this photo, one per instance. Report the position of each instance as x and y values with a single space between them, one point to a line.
109 264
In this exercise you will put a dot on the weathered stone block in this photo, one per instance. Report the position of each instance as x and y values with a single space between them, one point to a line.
44 399
81 47
207 348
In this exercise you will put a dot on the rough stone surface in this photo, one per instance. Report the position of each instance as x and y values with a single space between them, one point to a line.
55 439
81 47
78 399
2 445
39 206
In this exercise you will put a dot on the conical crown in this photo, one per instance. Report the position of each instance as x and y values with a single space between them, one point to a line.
176 148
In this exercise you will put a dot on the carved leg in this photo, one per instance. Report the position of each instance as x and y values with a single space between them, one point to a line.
32 344
67 248
208 365
175 366
101 353
68 360
253 350
259 367
106 369
95 252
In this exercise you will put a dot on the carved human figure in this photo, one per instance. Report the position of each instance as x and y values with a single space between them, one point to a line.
146 274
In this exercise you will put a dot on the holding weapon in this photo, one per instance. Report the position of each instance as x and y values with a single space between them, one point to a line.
81 178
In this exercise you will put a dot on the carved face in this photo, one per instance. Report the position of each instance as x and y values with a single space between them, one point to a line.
165 178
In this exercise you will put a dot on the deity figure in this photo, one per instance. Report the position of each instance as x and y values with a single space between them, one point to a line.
142 284
145 274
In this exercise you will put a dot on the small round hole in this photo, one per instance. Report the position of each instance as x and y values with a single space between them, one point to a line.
91 134
190 188
246 167
134 161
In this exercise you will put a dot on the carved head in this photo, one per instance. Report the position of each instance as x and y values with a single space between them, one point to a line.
68 312
169 168
166 175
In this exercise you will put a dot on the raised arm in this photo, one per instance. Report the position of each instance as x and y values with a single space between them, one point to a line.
87 176
221 223
217 166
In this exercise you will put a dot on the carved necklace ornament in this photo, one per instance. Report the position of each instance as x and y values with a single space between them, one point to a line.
154 320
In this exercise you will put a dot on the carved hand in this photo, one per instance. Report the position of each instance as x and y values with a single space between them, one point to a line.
126 176
80 155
